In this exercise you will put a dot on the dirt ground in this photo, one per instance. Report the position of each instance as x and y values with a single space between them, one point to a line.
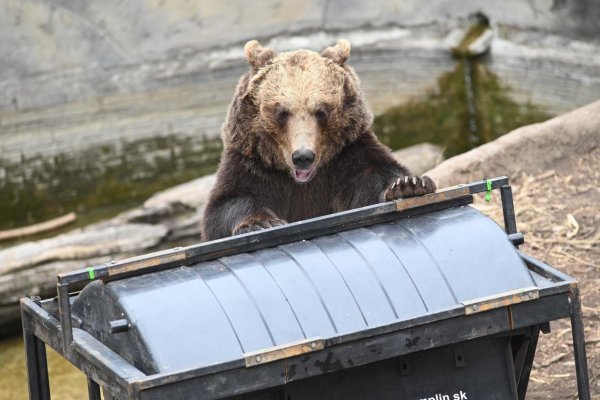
559 213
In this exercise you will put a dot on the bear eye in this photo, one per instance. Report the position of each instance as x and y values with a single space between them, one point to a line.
321 116
281 116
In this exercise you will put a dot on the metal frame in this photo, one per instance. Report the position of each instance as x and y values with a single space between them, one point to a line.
50 321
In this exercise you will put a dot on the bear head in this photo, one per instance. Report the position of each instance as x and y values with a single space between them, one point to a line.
296 110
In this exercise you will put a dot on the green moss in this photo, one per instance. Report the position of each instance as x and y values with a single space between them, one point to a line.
100 182
442 116
472 34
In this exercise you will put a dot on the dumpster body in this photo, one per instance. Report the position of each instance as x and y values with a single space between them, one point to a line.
430 301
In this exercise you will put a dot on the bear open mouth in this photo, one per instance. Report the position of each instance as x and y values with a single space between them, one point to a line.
304 175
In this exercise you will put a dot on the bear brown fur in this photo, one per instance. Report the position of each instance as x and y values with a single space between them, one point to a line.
298 143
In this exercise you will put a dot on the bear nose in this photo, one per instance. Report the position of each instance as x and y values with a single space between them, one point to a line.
303 159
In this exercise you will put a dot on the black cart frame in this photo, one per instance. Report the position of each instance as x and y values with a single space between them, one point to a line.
50 322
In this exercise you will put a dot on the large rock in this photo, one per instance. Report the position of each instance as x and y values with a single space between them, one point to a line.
420 157
532 148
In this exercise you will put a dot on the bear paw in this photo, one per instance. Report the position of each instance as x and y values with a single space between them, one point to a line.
252 224
410 186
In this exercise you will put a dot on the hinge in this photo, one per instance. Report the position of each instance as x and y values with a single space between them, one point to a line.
283 351
501 300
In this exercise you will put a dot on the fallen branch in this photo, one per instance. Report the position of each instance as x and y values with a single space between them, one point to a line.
38 228
551 361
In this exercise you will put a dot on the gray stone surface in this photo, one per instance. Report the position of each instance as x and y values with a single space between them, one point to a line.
75 75
420 157
45 35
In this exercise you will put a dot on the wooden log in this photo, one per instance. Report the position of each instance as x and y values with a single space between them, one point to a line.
101 239
38 228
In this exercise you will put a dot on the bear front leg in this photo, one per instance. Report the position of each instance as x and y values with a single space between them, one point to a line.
227 215
409 186
256 222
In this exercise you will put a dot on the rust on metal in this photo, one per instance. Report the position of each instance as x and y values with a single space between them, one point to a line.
501 300
283 351
439 196
147 261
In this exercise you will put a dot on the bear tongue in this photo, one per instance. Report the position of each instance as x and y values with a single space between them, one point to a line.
302 175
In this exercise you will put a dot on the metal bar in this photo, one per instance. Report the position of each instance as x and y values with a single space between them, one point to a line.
501 300
508 210
33 378
42 360
36 363
364 216
544 269
481 186
101 356
520 346
583 381
516 239
437 197
64 310
283 351
92 357
37 369
43 368
93 390
523 379
510 370
292 232
542 310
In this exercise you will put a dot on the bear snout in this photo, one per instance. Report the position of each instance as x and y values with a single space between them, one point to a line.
303 158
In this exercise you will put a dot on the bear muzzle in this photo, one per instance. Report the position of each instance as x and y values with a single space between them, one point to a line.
303 160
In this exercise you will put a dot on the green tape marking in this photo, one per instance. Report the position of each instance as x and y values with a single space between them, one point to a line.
488 194
91 273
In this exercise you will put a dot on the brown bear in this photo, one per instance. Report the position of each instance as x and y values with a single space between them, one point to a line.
298 143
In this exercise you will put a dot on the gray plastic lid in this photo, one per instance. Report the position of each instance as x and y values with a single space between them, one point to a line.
216 311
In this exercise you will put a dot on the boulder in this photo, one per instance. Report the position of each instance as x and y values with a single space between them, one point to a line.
532 149
420 157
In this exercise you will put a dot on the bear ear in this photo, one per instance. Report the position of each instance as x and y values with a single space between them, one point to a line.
338 53
257 55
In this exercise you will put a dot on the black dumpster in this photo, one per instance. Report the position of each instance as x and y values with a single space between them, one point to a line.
422 298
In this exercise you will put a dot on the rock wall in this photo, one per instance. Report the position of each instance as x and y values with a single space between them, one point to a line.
49 35
75 75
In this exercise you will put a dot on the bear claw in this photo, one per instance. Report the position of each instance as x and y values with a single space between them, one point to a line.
257 225
410 187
